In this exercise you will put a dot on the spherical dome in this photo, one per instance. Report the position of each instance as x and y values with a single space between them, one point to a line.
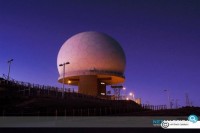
91 53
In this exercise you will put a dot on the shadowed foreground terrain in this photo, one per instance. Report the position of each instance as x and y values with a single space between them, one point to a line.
25 99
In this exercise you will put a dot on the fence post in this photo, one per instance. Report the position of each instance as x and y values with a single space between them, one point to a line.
100 111
105 111
88 112
56 91
29 91
95 111
48 90
24 91
56 114
73 112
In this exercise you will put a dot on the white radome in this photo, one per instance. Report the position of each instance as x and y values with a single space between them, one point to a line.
91 51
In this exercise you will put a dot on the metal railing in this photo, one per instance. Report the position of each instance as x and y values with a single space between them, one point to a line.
93 72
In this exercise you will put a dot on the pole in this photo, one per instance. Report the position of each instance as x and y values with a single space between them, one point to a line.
63 65
9 62
169 101
168 98
63 80
176 103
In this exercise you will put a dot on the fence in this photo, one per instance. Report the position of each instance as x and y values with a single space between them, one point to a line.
30 89
154 107
104 111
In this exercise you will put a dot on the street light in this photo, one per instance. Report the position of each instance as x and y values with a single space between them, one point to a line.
131 94
63 65
69 81
124 94
9 62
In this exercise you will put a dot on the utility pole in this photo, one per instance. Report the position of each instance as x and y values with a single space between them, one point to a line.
9 64
176 103
187 101
171 103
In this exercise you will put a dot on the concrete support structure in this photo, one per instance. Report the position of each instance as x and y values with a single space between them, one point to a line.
91 85
88 85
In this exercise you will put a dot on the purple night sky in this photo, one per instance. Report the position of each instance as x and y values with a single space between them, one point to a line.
161 39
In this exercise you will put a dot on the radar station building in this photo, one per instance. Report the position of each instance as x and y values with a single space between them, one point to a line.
91 60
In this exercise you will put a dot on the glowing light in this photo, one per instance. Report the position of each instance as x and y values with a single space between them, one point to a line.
69 81
131 94
124 88
127 98
102 83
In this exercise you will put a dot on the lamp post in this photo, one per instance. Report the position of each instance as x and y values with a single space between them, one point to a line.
9 64
68 83
63 65
131 94
124 89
